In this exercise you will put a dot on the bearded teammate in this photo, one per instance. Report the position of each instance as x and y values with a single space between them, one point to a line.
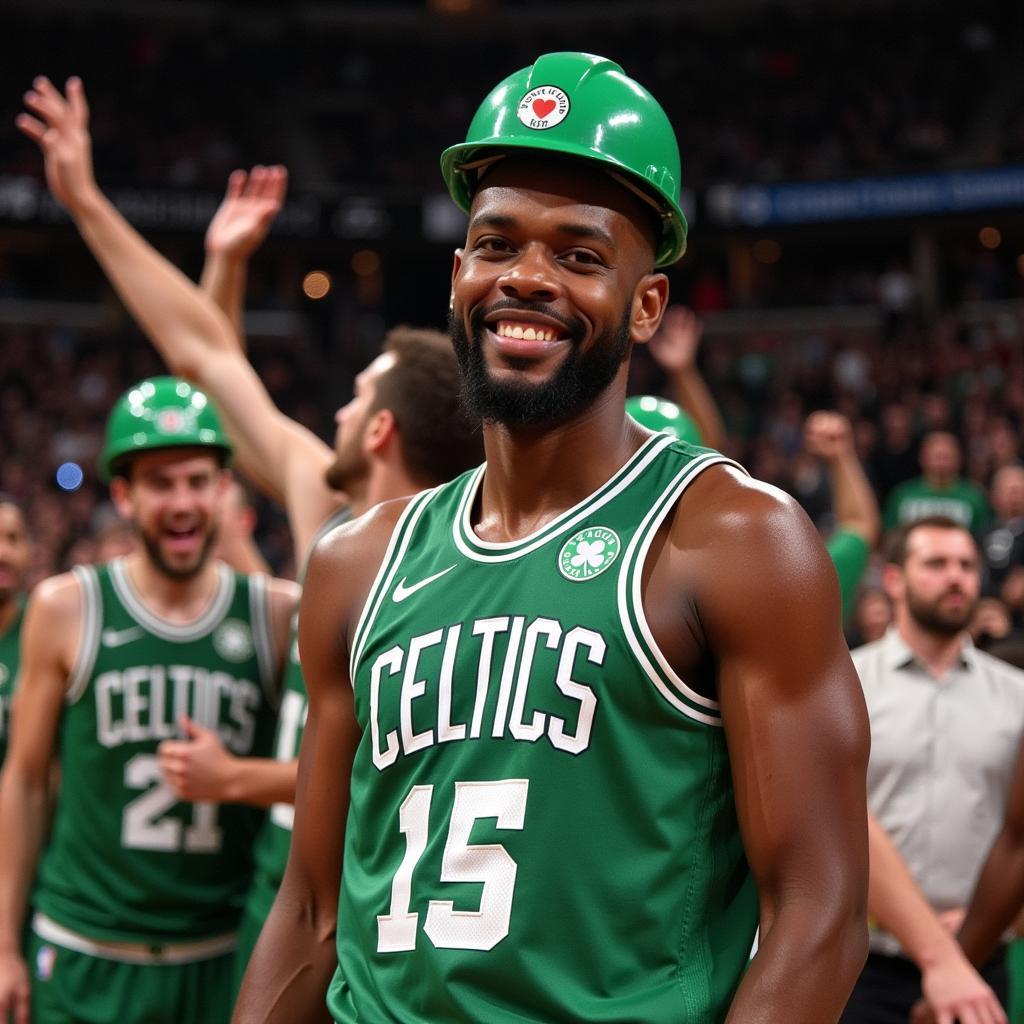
520 703
139 894
402 431
15 551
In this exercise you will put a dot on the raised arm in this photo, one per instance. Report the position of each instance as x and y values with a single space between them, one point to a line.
674 348
237 230
797 732
50 631
192 334
829 436
952 987
295 957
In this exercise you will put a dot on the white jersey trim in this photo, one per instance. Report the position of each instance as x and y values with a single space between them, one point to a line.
263 635
630 596
505 551
92 625
208 620
134 952
385 575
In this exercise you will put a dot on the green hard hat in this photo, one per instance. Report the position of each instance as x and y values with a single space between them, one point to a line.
663 416
581 106
161 412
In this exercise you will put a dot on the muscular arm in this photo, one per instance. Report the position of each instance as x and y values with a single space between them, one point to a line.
951 986
50 632
999 894
192 334
294 959
797 732
829 436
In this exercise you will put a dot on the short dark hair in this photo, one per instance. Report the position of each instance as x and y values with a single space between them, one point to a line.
897 541
12 502
439 438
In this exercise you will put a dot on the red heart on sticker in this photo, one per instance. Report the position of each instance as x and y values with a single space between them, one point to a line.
543 107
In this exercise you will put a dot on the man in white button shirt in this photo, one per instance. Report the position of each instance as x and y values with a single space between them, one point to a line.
946 723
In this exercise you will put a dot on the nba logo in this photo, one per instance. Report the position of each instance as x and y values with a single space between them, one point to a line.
45 959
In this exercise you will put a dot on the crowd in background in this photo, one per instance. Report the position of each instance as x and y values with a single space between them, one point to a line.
809 94
945 376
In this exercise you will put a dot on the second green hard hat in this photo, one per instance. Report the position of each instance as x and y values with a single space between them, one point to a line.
579 105
161 412
663 416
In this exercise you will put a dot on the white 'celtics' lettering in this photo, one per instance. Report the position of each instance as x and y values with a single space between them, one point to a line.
481 927
413 686
144 702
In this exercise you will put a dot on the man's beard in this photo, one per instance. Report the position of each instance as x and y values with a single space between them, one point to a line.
176 572
574 386
934 619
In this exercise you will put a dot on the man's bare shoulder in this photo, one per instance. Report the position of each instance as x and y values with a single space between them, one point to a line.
732 515
364 538
57 598
53 619
342 567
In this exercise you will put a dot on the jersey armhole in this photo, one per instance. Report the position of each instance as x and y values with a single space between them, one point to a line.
635 626
89 641
263 637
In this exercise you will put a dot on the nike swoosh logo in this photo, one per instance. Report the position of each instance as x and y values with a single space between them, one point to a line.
402 591
120 637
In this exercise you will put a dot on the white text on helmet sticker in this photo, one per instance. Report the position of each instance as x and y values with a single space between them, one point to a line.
543 107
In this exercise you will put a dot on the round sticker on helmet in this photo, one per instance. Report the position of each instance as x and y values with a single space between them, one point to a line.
543 107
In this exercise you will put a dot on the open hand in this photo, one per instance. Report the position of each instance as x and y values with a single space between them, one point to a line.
248 209
674 347
60 126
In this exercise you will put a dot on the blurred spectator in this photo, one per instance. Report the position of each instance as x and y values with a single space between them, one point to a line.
829 437
895 459
940 490
872 616
1002 543
946 725
674 348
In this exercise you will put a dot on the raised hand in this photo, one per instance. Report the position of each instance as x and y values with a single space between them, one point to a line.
828 435
60 126
674 347
249 207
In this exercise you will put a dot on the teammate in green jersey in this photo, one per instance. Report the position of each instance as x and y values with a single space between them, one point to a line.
139 894
403 430
15 551
565 699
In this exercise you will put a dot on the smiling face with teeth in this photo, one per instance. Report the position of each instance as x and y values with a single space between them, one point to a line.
174 499
554 286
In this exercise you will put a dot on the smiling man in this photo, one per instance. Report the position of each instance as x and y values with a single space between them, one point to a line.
139 893
567 699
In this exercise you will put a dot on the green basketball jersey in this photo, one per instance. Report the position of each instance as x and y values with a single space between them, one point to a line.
128 861
542 823
10 640
276 838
